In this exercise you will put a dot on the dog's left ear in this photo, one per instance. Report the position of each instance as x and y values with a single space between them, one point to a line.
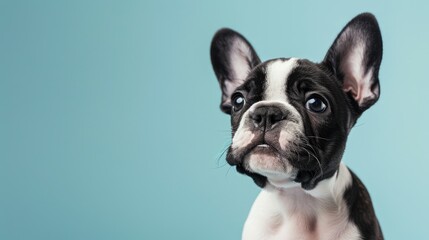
355 58
232 58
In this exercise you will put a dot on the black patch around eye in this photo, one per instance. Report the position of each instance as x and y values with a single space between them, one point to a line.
238 101
303 85
316 103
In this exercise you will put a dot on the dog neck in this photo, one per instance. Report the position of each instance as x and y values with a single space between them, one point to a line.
320 213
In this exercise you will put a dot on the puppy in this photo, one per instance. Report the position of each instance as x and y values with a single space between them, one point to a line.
290 120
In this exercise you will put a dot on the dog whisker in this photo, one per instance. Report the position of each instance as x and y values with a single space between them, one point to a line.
227 172
322 138
317 159
221 155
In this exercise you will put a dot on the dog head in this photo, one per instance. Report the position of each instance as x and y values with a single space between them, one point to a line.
291 117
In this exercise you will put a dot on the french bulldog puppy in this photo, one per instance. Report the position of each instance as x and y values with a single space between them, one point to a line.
290 119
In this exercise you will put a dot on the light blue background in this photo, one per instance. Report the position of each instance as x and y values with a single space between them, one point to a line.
110 125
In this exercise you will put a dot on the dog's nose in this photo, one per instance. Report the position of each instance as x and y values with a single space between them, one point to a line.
265 117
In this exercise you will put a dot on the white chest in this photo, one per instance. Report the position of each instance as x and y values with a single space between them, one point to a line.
293 214
306 220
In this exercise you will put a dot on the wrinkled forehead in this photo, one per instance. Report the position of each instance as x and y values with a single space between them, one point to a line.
272 79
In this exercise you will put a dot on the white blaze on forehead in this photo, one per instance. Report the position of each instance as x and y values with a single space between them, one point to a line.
277 74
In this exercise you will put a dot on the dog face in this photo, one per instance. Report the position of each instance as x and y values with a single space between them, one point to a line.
290 117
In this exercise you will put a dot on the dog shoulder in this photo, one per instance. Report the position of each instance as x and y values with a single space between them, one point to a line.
361 210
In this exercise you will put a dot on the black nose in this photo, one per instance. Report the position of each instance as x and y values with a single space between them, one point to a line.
265 117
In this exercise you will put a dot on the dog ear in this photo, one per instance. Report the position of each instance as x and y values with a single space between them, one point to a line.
355 58
232 58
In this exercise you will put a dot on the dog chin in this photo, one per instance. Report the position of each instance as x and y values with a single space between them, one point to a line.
267 162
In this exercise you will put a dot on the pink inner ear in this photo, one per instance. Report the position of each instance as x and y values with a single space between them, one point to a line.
361 88
357 81
239 59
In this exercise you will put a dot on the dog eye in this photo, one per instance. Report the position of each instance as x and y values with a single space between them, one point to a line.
316 104
238 102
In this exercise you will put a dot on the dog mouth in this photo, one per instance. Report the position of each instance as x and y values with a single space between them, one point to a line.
265 149
266 159
266 163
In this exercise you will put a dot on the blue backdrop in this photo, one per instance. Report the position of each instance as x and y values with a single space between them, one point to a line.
110 125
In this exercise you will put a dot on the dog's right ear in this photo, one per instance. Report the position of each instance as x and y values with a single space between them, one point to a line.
355 58
232 58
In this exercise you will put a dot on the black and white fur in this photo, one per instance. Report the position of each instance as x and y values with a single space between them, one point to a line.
290 120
